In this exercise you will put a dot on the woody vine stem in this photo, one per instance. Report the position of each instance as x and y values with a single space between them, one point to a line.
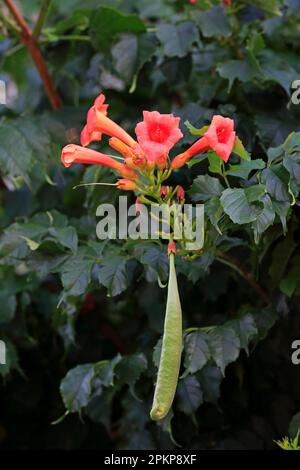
29 39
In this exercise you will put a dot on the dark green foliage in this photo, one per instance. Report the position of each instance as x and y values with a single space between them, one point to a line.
82 317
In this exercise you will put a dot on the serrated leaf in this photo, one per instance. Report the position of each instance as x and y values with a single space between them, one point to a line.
189 395
113 275
76 274
245 167
243 70
105 371
214 210
213 22
275 186
237 207
265 219
177 40
204 187
155 261
15 153
196 352
131 53
76 387
106 23
8 304
246 330
224 346
130 369
210 378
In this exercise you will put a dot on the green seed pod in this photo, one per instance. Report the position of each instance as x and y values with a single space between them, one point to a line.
170 358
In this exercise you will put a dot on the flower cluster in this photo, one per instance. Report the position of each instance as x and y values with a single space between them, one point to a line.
145 162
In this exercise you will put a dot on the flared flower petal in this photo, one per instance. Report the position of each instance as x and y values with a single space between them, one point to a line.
220 137
158 133
98 123
89 135
75 154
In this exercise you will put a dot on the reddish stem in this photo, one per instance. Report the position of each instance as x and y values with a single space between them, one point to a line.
248 276
34 50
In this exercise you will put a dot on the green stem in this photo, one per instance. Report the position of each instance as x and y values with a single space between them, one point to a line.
71 37
169 365
41 19
224 175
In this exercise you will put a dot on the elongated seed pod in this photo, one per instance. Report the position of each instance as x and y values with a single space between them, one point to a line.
170 358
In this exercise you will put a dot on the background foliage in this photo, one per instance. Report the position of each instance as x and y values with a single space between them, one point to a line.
82 318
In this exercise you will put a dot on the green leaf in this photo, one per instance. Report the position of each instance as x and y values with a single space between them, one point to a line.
189 395
292 165
214 210
130 369
294 426
255 192
106 23
130 55
213 22
177 40
194 131
76 387
197 352
275 186
243 70
113 275
67 236
271 7
105 371
289 284
265 219
264 320
240 150
245 167
204 187
15 154
224 346
76 274
155 261
246 330
236 204
281 255
8 304
210 378
215 162
256 43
